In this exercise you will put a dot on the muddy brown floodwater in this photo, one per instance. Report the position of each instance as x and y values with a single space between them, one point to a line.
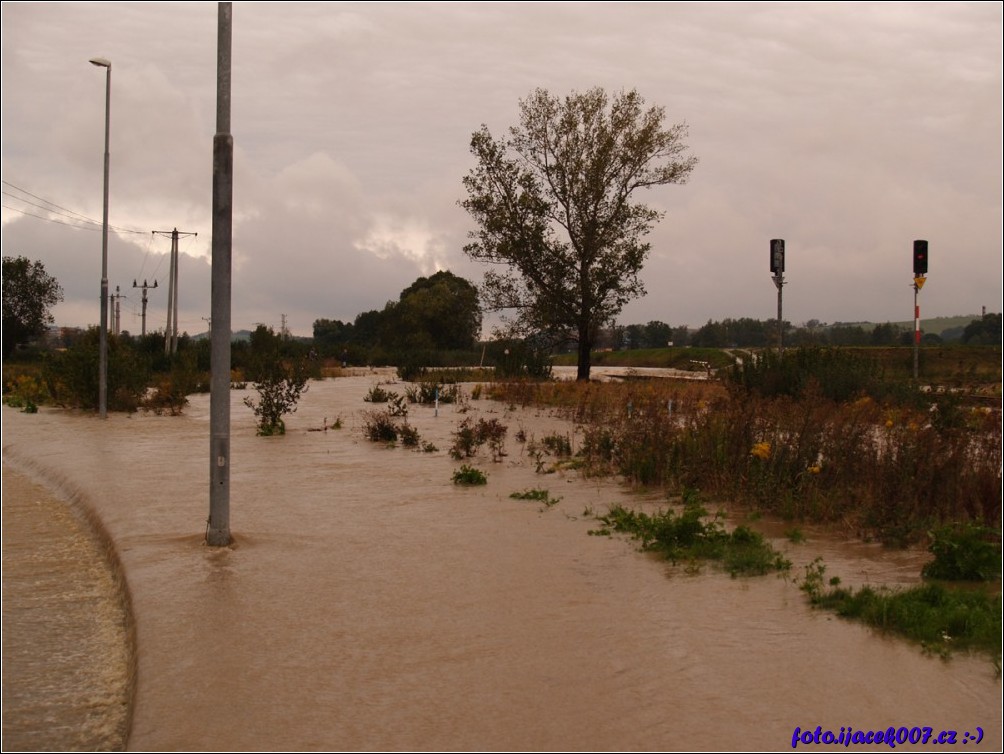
371 604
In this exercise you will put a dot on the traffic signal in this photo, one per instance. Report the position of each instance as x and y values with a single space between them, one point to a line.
919 258
776 256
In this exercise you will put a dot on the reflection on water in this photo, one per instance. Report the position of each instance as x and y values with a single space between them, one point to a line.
371 604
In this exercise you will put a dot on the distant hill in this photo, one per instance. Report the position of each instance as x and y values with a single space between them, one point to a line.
935 325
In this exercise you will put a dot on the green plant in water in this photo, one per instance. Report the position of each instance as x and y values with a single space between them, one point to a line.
468 475
795 536
942 619
689 537
539 495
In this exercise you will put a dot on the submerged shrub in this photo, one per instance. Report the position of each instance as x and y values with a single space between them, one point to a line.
379 426
378 395
468 475
470 436
279 387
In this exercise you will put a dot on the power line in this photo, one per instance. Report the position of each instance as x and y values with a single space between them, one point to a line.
49 219
41 199
46 209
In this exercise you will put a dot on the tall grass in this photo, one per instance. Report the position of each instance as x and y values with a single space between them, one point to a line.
883 460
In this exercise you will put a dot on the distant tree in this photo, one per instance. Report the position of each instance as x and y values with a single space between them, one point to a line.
437 312
710 335
889 334
331 336
657 334
848 335
553 206
29 292
366 327
985 331
633 337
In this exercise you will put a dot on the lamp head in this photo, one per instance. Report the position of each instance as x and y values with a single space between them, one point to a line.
103 62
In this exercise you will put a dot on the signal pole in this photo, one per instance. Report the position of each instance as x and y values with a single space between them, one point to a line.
777 269
171 331
144 287
919 278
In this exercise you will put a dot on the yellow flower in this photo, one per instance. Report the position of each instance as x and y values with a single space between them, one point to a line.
815 469
888 423
761 450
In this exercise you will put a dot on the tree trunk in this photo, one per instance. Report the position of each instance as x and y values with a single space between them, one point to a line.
585 347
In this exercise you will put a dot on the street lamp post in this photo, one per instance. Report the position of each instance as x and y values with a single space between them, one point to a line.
103 343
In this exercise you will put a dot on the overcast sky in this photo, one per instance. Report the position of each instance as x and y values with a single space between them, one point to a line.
848 129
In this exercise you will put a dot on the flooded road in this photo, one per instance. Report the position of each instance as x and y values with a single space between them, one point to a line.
371 604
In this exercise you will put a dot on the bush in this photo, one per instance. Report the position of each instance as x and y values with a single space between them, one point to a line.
25 391
72 378
964 553
170 392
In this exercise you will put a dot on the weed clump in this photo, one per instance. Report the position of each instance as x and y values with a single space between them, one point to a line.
469 476
542 496
688 536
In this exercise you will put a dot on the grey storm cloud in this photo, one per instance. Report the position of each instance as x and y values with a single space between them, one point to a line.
847 129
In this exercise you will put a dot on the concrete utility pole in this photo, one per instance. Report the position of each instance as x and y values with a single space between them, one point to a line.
218 529
171 331
144 287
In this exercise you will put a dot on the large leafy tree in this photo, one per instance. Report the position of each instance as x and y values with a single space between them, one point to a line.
441 312
553 202
29 292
